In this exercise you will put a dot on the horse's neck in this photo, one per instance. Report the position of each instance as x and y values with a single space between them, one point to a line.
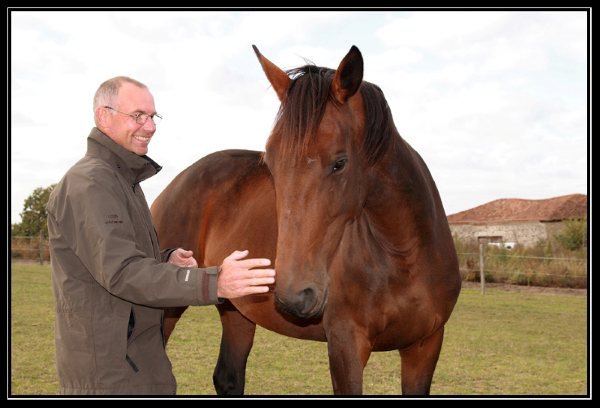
400 207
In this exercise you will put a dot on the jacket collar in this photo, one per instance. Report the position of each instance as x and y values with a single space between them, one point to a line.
133 167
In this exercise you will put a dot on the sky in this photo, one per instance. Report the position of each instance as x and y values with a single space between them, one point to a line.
494 101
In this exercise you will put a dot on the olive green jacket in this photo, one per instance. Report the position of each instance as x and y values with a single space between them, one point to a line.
109 277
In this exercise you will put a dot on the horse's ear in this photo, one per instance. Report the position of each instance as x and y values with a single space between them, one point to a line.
276 76
348 76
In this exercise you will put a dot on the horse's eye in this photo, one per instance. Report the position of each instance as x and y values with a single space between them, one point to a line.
339 165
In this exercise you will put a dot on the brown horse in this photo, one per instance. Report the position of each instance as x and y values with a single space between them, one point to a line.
352 217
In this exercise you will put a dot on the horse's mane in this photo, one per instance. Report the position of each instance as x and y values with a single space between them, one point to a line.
304 106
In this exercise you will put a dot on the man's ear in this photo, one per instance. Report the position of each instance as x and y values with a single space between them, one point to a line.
102 117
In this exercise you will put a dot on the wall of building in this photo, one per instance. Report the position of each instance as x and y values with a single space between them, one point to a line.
522 233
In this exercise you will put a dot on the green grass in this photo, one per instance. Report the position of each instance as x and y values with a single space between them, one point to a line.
32 366
500 343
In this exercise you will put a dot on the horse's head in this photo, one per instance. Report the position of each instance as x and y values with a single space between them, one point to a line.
316 156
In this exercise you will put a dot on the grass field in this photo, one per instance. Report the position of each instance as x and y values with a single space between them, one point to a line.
500 343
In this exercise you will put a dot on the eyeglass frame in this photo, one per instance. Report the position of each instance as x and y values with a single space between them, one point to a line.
136 117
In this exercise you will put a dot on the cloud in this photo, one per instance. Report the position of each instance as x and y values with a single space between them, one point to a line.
495 102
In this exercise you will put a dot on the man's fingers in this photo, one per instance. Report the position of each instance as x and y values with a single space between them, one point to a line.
253 263
240 262
251 290
237 255
261 281
259 273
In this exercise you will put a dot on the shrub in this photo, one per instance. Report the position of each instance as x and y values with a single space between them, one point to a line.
574 235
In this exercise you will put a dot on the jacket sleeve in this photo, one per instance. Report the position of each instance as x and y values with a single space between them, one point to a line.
94 219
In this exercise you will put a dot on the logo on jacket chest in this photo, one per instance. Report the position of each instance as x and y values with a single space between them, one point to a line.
112 219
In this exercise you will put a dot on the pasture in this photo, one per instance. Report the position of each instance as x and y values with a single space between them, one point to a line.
502 343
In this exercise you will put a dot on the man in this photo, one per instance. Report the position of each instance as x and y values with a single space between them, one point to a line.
110 278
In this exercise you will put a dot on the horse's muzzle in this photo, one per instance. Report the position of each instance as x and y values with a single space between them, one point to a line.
304 304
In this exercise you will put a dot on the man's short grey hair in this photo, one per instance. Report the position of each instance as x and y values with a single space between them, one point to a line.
109 89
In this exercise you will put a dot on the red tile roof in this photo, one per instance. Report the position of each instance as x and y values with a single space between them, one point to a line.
515 209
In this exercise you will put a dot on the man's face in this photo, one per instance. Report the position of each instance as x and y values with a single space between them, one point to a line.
124 129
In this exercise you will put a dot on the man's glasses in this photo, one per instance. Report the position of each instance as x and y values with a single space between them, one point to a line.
140 118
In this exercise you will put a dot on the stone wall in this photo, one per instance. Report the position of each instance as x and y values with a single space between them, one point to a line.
522 233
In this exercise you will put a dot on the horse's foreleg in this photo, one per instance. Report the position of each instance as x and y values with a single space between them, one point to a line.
348 356
418 364
170 319
229 376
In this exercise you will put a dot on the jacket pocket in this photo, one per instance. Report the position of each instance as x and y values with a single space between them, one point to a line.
131 363
131 324
130 327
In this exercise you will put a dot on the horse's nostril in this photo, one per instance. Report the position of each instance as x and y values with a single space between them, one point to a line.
301 304
308 297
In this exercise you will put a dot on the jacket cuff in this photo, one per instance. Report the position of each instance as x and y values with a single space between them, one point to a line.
166 253
207 287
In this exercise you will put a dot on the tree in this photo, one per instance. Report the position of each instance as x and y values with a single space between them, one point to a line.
34 216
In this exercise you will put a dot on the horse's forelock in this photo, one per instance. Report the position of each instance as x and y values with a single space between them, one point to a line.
304 107
301 112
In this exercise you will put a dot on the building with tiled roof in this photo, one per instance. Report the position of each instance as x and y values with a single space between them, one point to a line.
513 221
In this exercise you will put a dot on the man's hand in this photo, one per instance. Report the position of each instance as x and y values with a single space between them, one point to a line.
237 278
183 258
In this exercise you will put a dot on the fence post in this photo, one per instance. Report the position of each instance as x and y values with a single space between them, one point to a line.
41 244
481 273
